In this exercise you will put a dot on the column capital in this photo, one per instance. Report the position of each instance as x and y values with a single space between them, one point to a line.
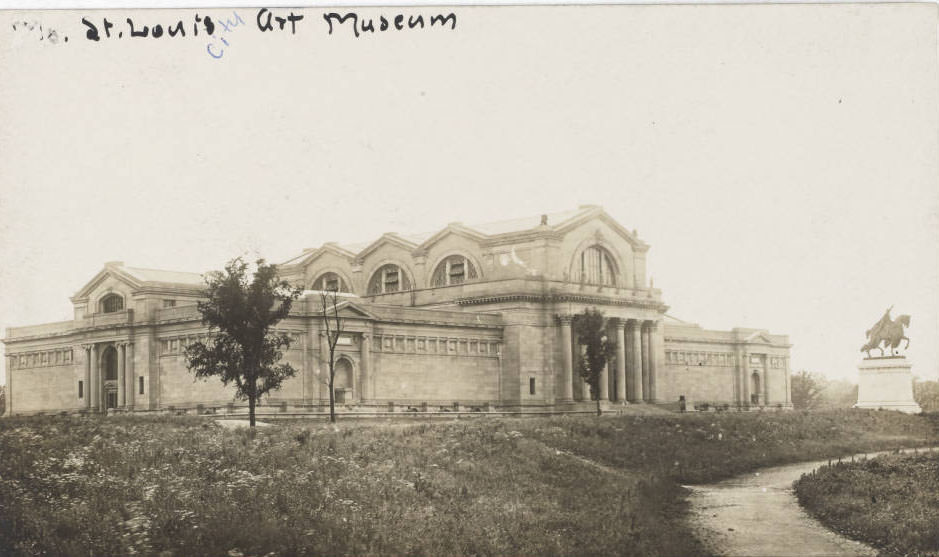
565 319
87 346
619 323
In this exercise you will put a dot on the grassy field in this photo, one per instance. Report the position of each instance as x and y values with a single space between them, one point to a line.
547 486
890 502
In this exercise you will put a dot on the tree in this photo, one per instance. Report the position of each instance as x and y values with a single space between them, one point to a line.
240 314
330 300
926 394
591 332
806 389
3 401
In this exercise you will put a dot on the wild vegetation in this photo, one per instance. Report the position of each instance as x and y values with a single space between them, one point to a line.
890 502
550 486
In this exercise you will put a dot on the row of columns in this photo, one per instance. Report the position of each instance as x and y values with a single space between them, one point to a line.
95 384
636 362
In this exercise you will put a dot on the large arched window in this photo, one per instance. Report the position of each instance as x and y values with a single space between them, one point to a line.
388 278
112 303
455 269
330 282
596 267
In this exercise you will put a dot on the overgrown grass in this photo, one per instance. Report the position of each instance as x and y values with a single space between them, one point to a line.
125 486
890 502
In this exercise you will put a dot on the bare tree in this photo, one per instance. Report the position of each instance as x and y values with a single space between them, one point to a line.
333 325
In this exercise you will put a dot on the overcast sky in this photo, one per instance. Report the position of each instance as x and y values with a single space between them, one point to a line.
781 161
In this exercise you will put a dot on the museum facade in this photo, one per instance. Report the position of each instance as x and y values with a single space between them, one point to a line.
470 316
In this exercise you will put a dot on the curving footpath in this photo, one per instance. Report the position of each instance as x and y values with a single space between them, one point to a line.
757 514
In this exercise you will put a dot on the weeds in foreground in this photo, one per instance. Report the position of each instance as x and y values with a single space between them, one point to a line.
890 502
184 486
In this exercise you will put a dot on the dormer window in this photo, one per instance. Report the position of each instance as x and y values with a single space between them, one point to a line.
330 282
596 267
112 303
387 279
455 269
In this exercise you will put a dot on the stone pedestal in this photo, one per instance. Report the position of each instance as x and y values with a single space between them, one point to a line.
886 383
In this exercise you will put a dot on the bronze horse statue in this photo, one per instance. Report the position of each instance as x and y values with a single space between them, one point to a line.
887 332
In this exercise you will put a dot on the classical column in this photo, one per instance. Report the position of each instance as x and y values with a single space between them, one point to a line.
120 373
635 361
9 391
788 377
129 372
567 359
620 360
86 389
324 366
656 356
646 361
766 362
93 388
745 375
365 390
585 394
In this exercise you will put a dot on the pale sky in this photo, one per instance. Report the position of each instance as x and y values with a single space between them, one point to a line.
780 160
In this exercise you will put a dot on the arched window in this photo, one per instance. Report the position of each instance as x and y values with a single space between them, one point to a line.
455 269
596 267
388 278
112 303
330 282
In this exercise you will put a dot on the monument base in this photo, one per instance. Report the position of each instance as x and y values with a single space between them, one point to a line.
886 383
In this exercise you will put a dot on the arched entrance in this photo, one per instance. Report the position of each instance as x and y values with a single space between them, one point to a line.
755 388
342 381
109 375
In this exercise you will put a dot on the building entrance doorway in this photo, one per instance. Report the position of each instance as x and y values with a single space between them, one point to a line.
111 399
755 388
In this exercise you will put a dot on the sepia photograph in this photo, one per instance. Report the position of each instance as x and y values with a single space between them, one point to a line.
459 280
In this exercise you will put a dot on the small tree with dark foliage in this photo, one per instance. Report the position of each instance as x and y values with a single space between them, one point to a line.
240 314
591 329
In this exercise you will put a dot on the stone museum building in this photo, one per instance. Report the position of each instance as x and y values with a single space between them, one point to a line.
470 316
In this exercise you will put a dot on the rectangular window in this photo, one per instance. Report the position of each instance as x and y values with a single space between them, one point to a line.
169 303
457 273
141 385
531 385
81 389
391 281
332 285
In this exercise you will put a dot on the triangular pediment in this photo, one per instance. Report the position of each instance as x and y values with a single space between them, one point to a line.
598 214
454 229
759 337
327 248
109 272
347 309
389 238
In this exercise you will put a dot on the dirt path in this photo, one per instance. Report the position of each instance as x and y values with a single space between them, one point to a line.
757 514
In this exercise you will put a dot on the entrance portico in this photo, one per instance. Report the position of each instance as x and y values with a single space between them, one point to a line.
635 367
109 373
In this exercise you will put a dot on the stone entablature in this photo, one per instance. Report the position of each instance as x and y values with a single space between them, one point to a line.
431 345
40 358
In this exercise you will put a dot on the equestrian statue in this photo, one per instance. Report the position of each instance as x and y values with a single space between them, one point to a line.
887 332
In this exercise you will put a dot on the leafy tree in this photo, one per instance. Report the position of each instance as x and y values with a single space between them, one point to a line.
926 394
333 325
3 401
806 389
591 329
243 349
